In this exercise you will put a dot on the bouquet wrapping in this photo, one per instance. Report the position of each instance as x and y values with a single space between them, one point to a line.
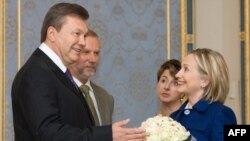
163 128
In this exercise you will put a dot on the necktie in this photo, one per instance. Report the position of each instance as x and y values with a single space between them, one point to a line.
85 91
68 74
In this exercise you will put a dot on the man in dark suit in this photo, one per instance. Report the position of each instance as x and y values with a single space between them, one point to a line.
86 67
47 106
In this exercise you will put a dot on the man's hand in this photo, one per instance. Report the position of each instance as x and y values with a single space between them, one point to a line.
120 133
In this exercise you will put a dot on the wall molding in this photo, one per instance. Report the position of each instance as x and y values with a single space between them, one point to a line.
19 32
168 29
245 56
187 26
2 70
247 27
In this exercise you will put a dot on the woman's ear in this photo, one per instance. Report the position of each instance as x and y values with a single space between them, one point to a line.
204 81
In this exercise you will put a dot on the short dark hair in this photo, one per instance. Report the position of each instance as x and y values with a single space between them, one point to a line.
57 13
91 33
172 65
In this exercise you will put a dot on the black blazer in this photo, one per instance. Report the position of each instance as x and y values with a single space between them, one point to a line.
48 107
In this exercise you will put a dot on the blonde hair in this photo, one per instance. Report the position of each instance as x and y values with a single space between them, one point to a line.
212 64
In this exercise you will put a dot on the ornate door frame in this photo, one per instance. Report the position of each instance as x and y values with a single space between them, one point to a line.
188 43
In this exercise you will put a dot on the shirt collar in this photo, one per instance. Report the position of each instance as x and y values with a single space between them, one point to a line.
53 56
79 83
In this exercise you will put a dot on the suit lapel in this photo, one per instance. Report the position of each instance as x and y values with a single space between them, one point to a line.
63 78
99 102
58 72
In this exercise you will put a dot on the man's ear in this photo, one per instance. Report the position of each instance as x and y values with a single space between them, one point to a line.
51 31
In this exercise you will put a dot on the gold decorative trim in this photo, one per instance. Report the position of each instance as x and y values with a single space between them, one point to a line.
183 27
190 38
2 97
242 36
168 29
247 62
19 31
194 24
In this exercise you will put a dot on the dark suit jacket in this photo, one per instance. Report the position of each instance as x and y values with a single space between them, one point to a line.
205 120
105 103
48 107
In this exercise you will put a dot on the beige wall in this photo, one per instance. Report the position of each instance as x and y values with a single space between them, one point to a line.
218 28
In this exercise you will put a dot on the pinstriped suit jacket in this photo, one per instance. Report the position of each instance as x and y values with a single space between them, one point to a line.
48 107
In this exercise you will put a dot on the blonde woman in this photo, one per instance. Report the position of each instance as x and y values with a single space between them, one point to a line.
204 80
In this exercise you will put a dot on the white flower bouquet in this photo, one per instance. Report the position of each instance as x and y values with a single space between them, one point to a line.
162 128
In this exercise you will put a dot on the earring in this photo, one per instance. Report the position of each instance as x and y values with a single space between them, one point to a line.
182 98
